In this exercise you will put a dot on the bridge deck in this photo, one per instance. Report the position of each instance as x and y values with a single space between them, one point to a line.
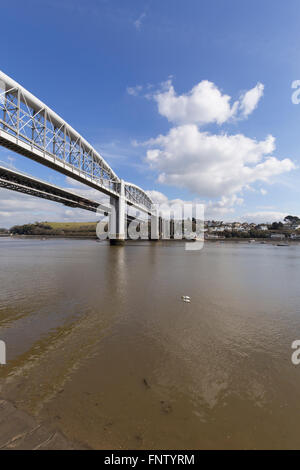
20 182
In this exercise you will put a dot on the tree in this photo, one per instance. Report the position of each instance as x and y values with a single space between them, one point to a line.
292 219
277 225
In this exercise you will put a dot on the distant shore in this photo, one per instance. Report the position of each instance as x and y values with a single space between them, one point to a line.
49 237
237 240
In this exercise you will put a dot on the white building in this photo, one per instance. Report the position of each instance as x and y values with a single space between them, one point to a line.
295 236
278 236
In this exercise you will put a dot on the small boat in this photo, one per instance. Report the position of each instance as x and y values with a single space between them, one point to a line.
186 298
251 240
283 244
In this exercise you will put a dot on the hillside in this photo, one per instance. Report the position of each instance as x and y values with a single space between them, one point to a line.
65 229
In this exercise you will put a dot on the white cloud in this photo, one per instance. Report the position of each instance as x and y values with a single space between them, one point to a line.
75 183
165 203
264 216
138 22
223 209
8 161
204 104
213 165
86 191
17 208
158 197
135 90
212 209
167 206
250 99
219 166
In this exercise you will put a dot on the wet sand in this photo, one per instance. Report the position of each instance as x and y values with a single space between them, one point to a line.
19 431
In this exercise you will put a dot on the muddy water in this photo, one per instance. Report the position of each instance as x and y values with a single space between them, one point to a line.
101 347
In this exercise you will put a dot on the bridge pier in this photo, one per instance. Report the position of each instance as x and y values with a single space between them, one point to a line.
117 218
155 225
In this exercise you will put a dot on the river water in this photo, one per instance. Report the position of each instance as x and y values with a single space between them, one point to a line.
101 347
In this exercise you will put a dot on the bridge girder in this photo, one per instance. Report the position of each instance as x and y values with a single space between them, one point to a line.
22 183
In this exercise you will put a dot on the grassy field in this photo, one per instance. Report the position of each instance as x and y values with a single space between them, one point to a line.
69 229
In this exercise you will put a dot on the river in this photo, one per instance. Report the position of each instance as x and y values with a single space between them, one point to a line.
101 347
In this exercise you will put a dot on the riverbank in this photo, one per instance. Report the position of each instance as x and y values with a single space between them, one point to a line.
240 241
87 231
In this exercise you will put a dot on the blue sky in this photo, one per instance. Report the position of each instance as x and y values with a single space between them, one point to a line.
123 73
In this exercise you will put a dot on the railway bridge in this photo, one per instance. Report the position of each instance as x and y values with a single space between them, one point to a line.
32 129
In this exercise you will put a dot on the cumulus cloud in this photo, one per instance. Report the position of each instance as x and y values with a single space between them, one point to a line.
212 165
204 104
159 198
223 209
212 209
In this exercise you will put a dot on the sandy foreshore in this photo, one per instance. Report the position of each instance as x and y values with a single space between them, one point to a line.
20 431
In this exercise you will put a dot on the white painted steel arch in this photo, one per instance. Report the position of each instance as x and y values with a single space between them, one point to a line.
31 128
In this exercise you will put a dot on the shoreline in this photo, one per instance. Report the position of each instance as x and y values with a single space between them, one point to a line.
260 241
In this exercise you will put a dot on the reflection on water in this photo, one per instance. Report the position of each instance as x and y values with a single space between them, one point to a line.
100 345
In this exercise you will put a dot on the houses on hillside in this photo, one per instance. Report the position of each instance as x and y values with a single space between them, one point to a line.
277 231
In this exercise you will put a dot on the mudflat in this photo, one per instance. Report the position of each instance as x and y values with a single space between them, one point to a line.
19 431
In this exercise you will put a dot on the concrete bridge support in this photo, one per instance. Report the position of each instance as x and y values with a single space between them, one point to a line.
156 225
117 218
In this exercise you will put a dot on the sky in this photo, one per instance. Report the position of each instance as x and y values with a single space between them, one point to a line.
191 100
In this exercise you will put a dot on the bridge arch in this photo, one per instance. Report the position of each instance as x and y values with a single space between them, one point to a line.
30 128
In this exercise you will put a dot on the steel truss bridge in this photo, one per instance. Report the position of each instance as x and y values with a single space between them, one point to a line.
32 129
22 183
